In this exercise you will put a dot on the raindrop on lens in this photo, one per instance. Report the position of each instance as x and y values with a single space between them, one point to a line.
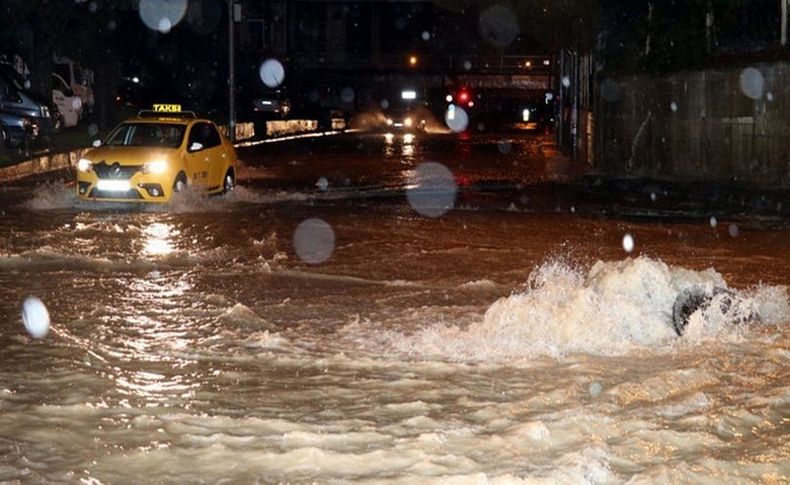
93 129
499 25
426 36
165 25
733 230
566 81
653 196
272 73
769 96
713 221
595 389
673 106
432 189
35 317
752 83
347 95
384 104
628 243
456 118
322 184
467 65
162 15
314 241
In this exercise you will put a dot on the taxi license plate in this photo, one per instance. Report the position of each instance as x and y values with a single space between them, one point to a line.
113 185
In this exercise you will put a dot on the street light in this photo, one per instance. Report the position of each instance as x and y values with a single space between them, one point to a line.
413 61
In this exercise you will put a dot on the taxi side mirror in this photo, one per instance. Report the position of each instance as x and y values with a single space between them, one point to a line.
96 143
195 146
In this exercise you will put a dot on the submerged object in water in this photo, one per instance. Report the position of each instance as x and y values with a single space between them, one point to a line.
699 298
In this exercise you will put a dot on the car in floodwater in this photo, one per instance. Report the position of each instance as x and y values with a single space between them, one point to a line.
150 157
404 119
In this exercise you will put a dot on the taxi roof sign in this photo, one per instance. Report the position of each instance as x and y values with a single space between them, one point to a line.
167 108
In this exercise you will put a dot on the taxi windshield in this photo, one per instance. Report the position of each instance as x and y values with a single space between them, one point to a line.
165 135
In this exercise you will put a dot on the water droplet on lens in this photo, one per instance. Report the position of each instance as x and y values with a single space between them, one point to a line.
456 118
347 95
314 241
322 184
426 36
272 73
733 230
752 83
162 15
432 189
673 106
35 317
595 389
164 25
713 221
566 81
628 243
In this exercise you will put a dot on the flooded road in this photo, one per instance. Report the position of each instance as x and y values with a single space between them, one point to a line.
299 331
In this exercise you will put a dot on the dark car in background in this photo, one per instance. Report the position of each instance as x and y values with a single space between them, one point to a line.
17 130
272 104
17 100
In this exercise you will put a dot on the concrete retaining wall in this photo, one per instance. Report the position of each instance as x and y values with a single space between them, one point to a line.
698 125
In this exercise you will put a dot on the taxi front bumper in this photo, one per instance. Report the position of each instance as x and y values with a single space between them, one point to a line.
138 187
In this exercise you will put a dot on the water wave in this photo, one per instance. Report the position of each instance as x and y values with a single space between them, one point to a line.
611 309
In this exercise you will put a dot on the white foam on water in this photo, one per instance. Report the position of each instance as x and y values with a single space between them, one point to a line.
612 309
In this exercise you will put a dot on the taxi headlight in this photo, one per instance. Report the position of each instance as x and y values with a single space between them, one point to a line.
407 122
155 166
84 165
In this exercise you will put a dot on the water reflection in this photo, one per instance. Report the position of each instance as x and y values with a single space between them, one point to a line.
159 239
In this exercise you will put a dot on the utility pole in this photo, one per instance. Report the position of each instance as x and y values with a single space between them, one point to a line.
231 74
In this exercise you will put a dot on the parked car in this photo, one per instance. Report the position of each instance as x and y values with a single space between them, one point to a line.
274 103
17 130
15 99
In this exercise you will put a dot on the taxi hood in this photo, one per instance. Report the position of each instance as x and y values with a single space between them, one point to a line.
126 155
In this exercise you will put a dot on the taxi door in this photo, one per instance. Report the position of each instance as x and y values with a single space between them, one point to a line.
203 151
218 158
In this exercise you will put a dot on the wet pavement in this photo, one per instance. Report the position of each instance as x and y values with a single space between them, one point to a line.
317 325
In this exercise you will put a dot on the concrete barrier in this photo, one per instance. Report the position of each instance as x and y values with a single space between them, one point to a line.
60 161
289 127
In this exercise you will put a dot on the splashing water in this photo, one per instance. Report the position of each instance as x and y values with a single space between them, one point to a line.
613 309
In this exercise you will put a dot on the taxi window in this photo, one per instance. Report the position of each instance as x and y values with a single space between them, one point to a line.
164 135
205 134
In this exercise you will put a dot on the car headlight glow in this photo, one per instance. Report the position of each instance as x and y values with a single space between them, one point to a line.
389 121
155 166
407 122
84 165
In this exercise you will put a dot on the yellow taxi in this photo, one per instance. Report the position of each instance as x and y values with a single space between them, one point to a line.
159 152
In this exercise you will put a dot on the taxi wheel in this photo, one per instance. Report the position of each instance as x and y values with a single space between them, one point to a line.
180 183
228 182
